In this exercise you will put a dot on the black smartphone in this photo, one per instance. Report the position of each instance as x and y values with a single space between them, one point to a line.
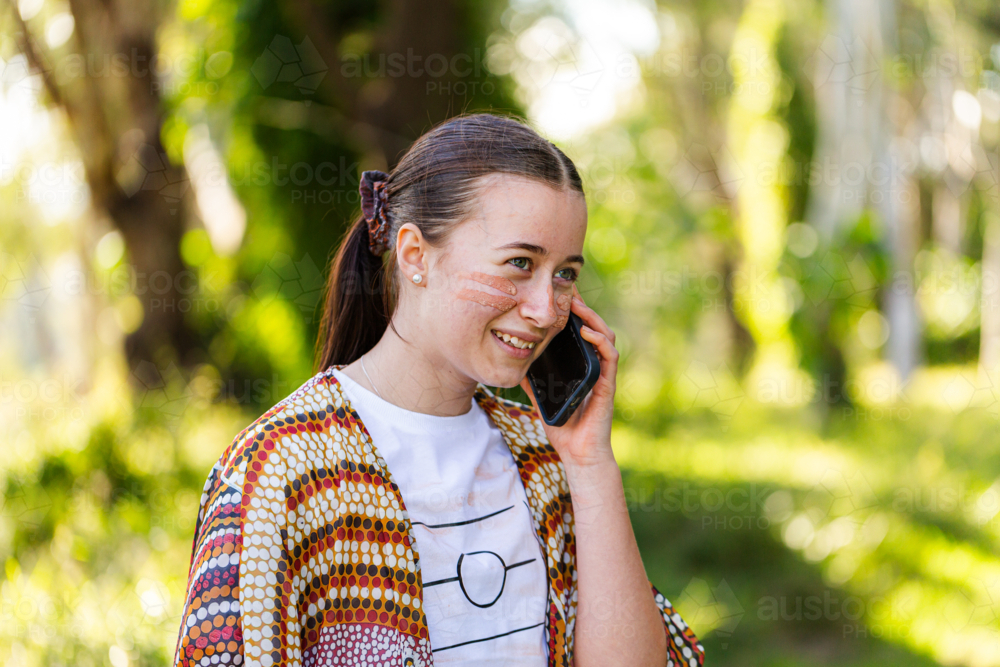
564 373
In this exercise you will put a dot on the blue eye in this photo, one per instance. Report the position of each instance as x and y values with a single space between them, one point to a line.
573 273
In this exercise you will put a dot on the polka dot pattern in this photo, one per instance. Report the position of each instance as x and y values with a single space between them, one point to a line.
304 555
366 644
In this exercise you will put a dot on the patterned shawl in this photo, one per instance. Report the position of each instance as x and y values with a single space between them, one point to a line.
303 553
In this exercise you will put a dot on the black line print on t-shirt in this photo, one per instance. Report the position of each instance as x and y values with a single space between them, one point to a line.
458 567
461 582
459 523
486 639
461 579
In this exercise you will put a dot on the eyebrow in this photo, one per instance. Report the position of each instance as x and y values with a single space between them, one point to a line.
538 250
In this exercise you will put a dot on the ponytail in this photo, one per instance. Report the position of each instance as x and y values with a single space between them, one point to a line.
356 304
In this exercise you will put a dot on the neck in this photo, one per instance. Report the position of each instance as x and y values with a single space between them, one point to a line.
408 378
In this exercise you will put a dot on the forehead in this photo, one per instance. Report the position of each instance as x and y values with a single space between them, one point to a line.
515 208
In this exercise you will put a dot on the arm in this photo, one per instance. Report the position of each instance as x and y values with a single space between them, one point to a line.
622 618
210 622
618 620
239 602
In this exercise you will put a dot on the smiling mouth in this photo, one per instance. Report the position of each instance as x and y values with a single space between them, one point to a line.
513 340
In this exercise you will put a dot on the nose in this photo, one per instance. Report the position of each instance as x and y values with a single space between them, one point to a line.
538 305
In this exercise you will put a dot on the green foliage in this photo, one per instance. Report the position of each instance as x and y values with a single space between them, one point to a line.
827 513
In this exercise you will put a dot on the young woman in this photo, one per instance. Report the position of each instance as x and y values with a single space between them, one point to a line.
394 511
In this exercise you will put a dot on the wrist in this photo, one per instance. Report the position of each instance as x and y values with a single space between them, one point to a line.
598 458
593 478
597 465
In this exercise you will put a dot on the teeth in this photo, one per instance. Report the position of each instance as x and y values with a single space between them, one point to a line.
514 340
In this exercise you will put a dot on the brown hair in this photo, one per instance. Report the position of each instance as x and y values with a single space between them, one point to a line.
433 186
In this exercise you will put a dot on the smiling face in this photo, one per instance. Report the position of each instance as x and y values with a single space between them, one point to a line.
510 269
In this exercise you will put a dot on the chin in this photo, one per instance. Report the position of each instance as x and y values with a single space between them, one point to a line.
504 377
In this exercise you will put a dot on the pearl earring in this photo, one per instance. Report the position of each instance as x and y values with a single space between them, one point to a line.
417 278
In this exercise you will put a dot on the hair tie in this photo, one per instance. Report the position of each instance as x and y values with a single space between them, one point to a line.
373 203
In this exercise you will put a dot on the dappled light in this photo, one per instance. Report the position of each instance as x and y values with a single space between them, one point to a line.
793 229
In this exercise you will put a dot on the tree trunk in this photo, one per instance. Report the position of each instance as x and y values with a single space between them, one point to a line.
899 205
389 112
115 120
989 342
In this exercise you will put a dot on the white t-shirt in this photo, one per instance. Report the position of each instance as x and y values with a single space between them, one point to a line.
482 566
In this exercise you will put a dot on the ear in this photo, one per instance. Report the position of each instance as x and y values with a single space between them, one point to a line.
411 250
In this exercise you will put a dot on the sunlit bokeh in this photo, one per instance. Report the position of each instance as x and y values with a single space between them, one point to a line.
794 230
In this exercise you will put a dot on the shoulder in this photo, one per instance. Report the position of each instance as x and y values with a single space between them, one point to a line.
524 432
516 419
283 432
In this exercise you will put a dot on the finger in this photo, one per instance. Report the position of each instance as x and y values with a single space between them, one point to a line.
603 344
604 348
604 389
592 319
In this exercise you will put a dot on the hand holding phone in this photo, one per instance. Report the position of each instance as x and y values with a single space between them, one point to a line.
564 373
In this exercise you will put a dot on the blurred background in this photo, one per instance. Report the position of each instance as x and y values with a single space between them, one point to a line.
794 231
